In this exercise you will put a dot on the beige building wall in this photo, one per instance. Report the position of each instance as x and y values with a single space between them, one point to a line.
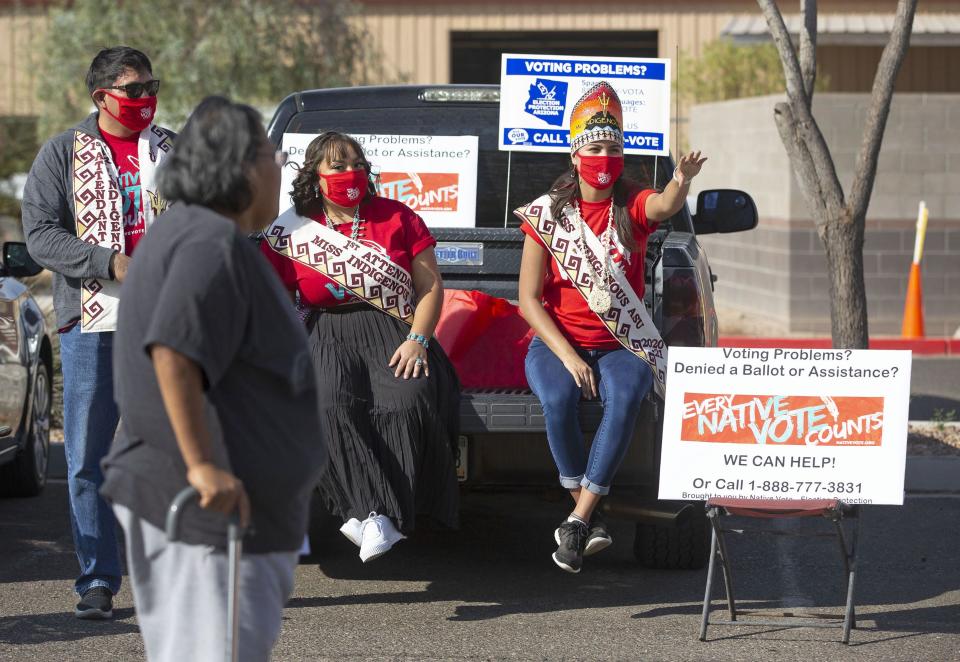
414 37
778 271
19 30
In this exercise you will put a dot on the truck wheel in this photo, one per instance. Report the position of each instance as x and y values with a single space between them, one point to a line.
323 528
684 547
26 475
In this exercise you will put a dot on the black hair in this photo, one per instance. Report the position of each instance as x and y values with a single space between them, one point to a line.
329 145
210 163
110 63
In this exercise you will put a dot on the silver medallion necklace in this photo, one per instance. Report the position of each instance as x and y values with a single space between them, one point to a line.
599 299
354 228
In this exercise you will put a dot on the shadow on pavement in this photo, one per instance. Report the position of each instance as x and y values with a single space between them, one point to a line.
44 628
499 564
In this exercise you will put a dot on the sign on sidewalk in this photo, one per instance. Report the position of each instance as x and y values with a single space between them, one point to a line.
785 424
436 176
538 92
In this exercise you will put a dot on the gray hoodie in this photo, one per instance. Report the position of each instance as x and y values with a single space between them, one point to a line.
49 223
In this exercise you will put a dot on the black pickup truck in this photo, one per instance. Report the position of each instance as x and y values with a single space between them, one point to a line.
503 443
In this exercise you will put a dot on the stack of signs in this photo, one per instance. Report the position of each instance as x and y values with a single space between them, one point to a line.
538 92
785 424
436 176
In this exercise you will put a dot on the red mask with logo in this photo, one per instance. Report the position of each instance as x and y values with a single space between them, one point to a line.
134 114
601 172
346 189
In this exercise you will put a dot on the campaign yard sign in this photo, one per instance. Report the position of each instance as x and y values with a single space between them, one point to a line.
785 424
436 176
538 92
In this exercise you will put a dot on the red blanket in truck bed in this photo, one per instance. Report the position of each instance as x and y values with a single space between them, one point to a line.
486 339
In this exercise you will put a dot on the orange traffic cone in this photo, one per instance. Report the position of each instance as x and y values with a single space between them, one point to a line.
913 310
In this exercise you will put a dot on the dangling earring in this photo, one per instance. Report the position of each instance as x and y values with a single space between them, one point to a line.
316 190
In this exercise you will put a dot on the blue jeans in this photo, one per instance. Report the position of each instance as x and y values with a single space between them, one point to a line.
89 422
624 382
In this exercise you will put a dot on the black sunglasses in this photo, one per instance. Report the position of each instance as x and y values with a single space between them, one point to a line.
137 90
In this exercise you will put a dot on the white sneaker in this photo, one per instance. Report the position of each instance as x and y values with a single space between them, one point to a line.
377 537
352 529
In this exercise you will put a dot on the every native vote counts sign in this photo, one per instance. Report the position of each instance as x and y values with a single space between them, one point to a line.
436 176
785 424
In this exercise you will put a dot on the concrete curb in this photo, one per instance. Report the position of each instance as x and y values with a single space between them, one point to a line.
925 473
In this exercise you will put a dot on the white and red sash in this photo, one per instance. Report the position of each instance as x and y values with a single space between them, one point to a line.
627 320
98 203
367 273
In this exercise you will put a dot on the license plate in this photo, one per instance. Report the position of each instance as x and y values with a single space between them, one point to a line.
460 254
462 459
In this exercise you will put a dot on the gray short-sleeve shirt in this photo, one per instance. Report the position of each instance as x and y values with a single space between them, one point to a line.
198 286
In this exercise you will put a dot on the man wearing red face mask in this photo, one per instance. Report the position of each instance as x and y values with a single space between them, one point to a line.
90 196
582 267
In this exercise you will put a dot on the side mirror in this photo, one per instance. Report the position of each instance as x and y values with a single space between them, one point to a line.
724 210
17 261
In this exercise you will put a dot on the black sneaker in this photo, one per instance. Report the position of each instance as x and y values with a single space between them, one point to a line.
599 538
95 605
571 538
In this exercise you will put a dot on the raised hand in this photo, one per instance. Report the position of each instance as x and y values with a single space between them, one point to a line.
689 165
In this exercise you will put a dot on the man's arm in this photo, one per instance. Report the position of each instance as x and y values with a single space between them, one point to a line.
181 387
45 203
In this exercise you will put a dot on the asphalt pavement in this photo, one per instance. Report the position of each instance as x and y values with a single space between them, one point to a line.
490 591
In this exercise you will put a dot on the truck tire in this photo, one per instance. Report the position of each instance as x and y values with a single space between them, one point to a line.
684 547
26 475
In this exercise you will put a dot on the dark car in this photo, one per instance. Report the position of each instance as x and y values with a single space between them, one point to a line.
503 444
26 366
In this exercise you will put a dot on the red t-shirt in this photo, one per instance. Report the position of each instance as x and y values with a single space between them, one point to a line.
387 226
564 303
126 159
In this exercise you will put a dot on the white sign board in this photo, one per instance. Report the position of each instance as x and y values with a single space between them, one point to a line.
436 176
785 424
538 92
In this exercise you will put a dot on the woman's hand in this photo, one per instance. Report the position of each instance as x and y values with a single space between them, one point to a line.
220 491
582 374
410 360
690 165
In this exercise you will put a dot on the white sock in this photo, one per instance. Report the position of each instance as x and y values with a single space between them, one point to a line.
576 518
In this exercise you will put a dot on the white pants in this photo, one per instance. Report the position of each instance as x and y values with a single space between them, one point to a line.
180 595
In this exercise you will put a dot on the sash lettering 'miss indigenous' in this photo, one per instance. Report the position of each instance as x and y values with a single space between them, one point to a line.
367 273
99 213
627 320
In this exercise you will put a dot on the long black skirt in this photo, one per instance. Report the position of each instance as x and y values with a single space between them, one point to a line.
392 441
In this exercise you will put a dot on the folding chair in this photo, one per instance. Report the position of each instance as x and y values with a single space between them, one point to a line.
832 509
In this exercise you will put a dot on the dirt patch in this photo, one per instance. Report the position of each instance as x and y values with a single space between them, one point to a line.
933 439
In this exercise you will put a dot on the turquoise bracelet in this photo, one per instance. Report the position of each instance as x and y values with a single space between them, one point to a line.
419 339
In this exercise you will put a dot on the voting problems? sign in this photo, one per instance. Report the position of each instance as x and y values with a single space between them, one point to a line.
785 424
538 92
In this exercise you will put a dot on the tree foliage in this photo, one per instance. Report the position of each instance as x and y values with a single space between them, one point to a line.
253 51
726 70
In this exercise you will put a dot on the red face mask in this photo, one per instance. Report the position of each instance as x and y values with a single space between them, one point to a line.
346 189
601 172
134 114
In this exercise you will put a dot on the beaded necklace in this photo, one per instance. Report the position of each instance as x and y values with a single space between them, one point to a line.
354 228
599 299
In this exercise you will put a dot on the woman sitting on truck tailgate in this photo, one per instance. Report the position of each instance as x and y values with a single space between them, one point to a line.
364 274
594 336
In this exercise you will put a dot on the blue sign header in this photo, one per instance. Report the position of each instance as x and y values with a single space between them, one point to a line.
585 68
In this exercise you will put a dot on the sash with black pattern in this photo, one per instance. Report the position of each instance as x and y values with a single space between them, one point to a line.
627 320
367 273
98 204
